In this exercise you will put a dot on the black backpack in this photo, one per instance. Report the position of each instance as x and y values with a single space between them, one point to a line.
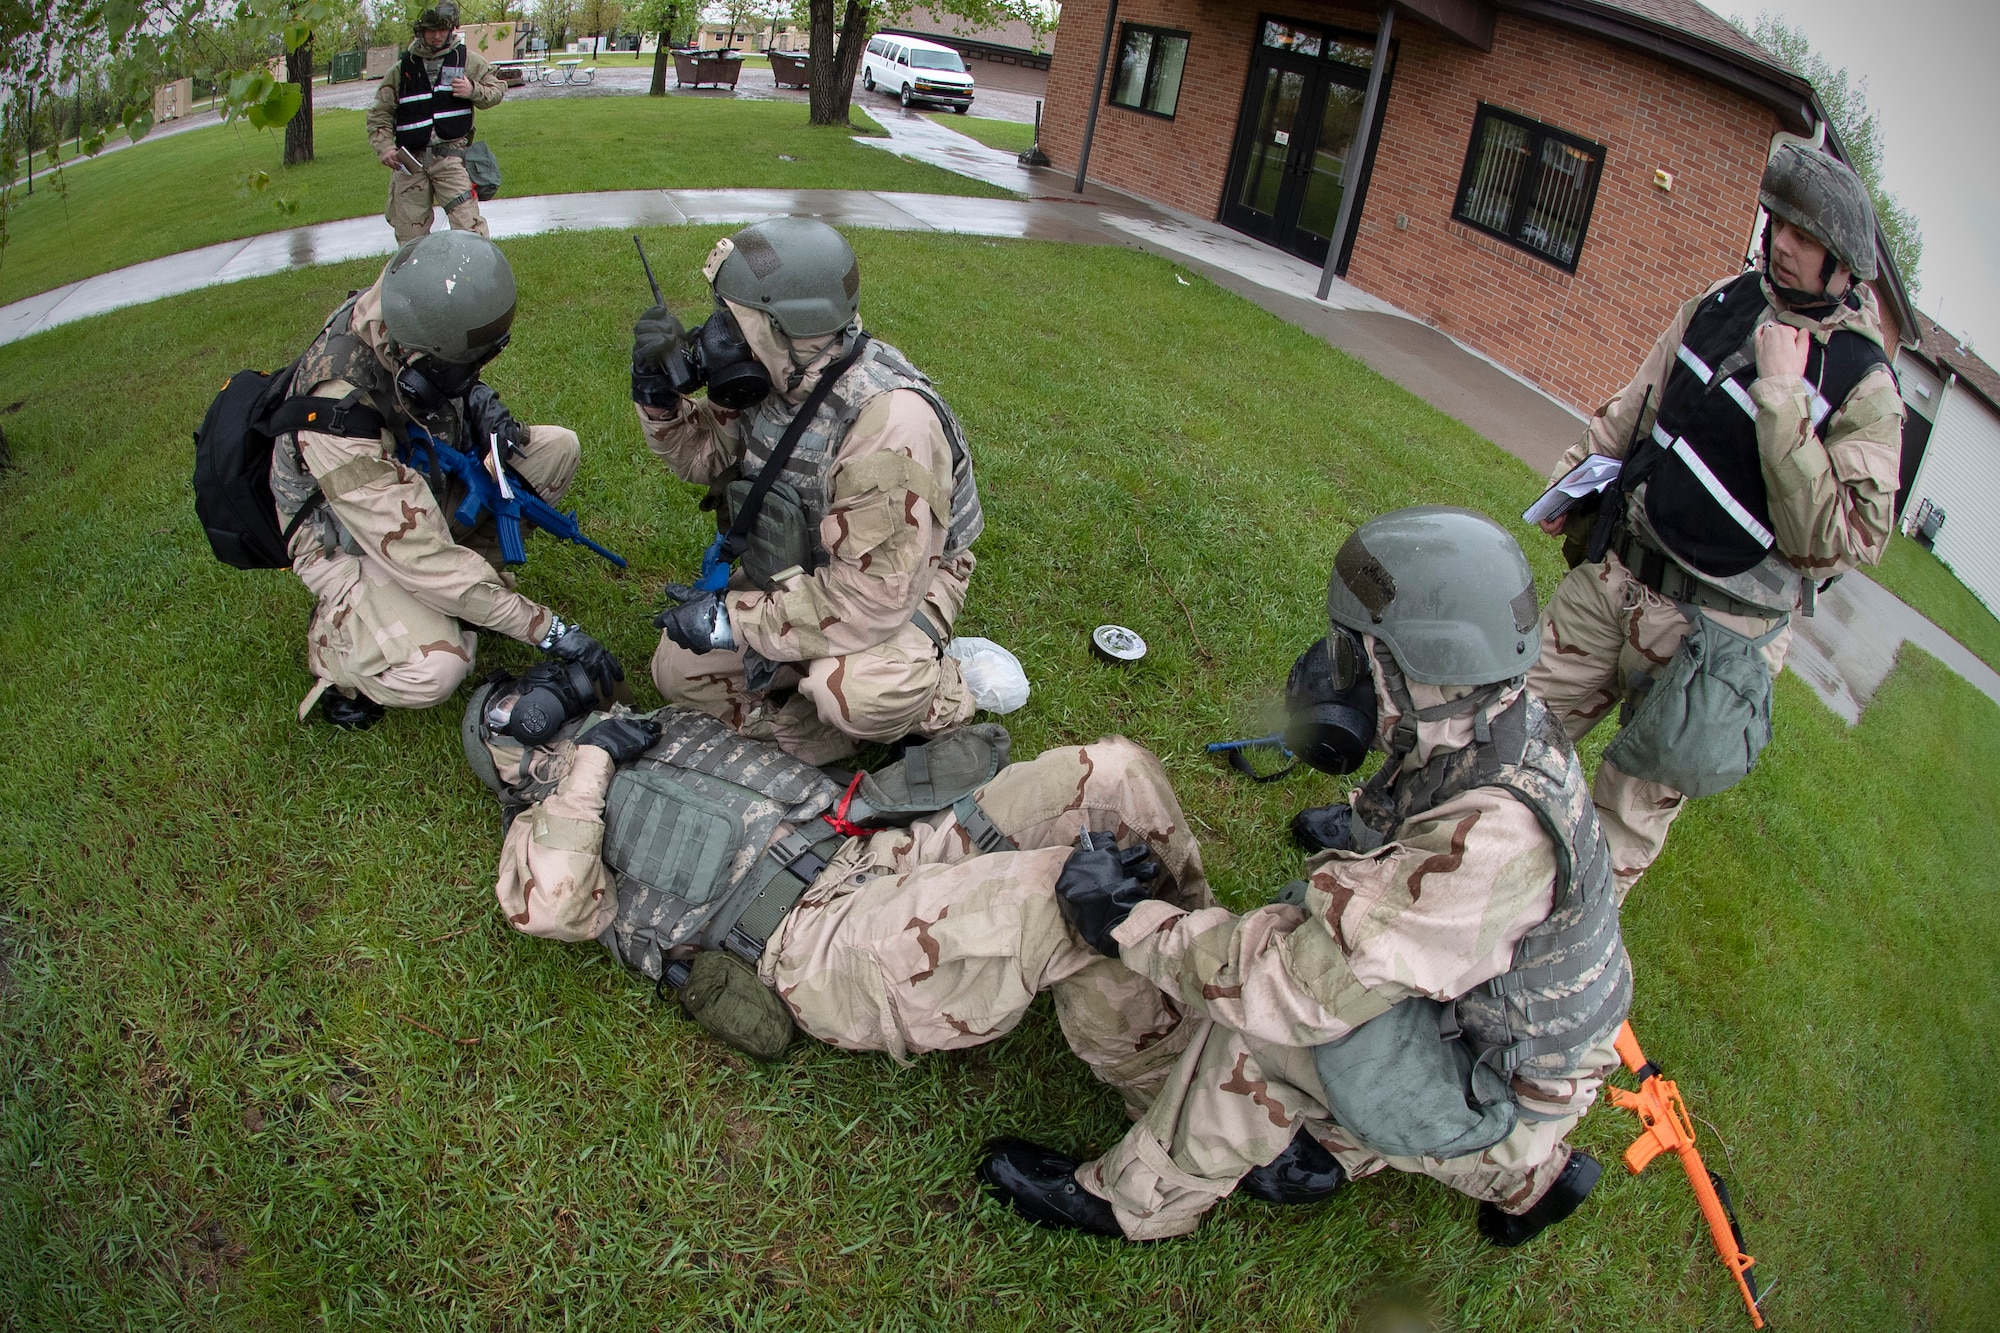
232 463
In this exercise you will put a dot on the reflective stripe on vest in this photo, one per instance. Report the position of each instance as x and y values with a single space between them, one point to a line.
422 112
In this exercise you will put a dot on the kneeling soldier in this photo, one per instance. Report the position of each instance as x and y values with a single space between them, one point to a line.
1441 995
915 911
399 595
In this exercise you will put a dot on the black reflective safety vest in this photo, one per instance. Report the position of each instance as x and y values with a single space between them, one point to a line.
422 112
1705 494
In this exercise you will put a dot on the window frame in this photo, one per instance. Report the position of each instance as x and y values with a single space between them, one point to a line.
1538 133
1150 85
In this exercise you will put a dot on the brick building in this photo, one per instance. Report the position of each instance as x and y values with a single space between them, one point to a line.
1545 180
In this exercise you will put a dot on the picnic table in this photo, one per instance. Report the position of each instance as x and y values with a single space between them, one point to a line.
518 72
568 72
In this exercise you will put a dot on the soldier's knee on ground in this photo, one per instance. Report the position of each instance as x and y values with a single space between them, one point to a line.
428 678
547 460
868 705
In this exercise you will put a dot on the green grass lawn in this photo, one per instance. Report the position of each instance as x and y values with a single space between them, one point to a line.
182 191
1007 135
1922 580
235 952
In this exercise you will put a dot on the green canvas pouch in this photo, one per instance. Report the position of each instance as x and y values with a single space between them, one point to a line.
484 169
782 537
1700 725
1405 1084
932 776
725 997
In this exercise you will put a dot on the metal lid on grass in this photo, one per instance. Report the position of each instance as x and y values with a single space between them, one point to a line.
1117 645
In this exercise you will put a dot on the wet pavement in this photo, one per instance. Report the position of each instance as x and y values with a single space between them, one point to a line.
1844 653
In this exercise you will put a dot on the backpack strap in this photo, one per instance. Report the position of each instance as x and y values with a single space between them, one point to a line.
347 417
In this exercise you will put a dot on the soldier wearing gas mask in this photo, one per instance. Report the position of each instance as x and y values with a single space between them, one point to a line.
911 910
400 588
1441 994
421 125
1765 433
844 492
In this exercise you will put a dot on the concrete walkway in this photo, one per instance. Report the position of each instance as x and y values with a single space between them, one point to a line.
1844 653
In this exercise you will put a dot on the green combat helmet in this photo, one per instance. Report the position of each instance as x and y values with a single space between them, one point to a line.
1447 590
450 296
440 17
801 273
1824 198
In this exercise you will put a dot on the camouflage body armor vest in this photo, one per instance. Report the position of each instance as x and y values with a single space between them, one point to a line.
787 528
1567 989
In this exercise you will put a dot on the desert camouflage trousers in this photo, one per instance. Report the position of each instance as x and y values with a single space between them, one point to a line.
909 942
443 182
822 709
372 635
1230 1106
1602 632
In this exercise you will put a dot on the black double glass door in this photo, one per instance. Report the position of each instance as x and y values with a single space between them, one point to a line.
1301 122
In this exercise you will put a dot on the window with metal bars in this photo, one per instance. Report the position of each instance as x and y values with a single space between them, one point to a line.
1529 184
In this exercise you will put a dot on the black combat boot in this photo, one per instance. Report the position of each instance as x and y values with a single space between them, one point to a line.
1507 1230
1305 1172
356 712
1325 828
1041 1185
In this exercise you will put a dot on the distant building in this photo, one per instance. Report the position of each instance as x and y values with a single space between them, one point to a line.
1951 456
1009 43
1544 180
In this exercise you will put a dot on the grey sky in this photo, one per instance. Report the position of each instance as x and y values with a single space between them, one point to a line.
1932 77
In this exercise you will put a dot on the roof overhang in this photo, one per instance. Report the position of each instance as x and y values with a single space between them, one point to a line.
1470 21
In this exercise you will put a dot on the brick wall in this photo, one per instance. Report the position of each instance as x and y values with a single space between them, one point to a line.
1577 335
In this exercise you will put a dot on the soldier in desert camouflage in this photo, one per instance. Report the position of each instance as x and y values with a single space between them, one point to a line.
399 591
1469 899
692 852
833 627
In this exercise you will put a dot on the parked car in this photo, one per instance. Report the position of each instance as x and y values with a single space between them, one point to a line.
917 71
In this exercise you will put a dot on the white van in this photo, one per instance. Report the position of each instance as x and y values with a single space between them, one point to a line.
915 70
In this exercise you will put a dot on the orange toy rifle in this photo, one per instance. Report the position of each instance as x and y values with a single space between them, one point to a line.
1658 1105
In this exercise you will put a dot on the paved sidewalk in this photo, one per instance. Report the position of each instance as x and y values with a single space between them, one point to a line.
1844 653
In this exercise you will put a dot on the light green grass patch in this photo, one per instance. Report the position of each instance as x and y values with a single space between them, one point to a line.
181 191
1927 584
1010 136
226 938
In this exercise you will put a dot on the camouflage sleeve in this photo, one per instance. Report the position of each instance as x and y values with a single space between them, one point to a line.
698 443
884 536
381 119
552 882
1611 428
1831 501
488 88
1435 914
391 514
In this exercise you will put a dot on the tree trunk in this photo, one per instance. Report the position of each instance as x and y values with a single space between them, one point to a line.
831 81
299 129
661 55
28 139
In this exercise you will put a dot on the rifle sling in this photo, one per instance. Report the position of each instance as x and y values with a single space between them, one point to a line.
745 518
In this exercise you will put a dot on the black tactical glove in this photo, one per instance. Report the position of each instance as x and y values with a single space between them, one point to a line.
655 337
486 416
692 623
570 644
623 738
1099 887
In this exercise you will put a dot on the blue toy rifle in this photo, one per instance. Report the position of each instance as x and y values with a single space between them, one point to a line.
1241 763
508 498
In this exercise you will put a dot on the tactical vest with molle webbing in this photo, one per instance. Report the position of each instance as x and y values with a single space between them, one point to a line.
1436 1079
422 112
1705 500
338 354
786 533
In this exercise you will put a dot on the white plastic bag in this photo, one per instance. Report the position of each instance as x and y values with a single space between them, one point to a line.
995 676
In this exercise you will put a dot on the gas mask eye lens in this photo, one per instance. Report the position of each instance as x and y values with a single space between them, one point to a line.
1345 656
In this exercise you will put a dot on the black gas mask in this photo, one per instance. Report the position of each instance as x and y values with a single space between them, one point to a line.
1330 704
544 698
716 356
430 382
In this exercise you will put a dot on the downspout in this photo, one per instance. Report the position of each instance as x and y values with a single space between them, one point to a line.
1351 175
1096 95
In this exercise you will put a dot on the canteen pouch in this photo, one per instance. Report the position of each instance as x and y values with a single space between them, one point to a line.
932 776
484 169
1701 724
724 996
1407 1084
781 540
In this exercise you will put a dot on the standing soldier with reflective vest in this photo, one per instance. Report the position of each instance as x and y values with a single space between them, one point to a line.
850 484
425 111
1765 464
